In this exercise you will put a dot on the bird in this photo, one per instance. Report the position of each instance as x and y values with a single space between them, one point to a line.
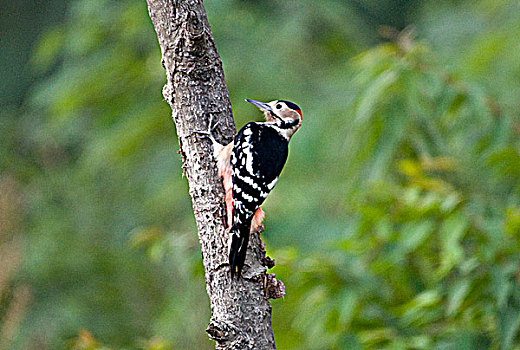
249 167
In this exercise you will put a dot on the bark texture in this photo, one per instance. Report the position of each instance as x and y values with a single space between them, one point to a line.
196 92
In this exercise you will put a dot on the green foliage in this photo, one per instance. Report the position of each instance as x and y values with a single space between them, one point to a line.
432 260
396 223
419 272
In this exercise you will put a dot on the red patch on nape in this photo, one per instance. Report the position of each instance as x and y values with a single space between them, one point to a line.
300 113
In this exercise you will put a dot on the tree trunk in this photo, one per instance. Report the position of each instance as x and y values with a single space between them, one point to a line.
196 92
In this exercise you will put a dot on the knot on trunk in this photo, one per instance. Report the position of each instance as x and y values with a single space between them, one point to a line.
228 336
195 25
275 289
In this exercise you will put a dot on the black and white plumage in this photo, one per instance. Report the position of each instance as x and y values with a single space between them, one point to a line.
250 167
257 159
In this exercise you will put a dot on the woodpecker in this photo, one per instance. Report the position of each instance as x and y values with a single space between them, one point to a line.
249 167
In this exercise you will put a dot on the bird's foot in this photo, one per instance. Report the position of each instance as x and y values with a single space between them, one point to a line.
209 132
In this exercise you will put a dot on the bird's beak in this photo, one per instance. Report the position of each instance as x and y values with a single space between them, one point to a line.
262 105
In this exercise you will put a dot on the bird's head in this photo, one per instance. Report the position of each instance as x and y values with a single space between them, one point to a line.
287 116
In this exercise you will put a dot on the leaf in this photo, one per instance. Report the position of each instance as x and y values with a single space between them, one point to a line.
450 235
369 99
414 234
509 324
456 295
348 301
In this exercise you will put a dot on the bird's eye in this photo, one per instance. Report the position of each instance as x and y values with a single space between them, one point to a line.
278 106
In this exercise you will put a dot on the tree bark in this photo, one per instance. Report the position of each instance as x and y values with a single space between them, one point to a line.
196 92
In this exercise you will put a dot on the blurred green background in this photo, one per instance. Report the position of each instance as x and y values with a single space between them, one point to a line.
395 225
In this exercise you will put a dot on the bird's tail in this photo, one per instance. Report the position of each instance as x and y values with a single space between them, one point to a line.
238 247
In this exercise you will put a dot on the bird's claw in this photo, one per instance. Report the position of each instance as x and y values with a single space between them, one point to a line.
208 132
200 132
